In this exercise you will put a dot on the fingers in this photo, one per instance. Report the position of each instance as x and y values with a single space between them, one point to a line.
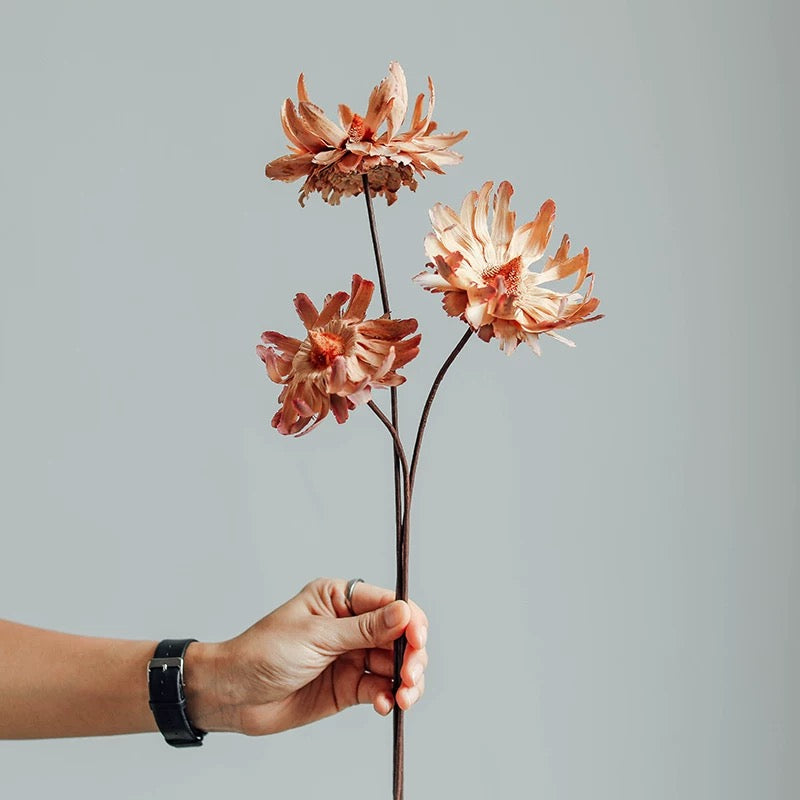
408 695
368 597
377 690
381 662
377 628
378 620
412 674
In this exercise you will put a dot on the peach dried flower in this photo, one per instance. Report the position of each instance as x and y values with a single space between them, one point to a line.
338 363
482 269
333 157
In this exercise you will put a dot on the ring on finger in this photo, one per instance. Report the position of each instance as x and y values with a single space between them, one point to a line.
348 593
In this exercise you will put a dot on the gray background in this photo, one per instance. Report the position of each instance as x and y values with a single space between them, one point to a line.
605 538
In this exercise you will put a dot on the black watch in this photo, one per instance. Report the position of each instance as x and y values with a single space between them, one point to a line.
167 700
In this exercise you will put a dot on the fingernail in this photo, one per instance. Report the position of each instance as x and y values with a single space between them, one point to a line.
394 614
423 636
416 674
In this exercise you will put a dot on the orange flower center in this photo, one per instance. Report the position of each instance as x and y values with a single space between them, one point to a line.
357 129
511 273
325 347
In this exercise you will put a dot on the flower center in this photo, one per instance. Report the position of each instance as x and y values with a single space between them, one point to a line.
325 347
511 273
357 129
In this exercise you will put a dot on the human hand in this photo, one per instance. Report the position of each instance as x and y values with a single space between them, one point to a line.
308 659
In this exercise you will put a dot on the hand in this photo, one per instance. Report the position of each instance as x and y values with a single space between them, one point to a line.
308 659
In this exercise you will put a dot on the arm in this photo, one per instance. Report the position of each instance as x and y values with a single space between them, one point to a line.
307 659
55 684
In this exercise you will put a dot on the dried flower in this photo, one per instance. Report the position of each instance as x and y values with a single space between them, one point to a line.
332 157
483 272
342 357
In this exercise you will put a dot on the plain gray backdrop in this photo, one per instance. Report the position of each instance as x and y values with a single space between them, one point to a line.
605 538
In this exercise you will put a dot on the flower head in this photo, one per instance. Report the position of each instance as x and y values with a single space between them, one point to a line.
342 357
482 269
333 157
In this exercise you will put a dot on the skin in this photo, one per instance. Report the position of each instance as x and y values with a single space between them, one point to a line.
308 659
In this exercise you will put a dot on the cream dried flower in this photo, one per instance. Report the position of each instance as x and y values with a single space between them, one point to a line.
482 270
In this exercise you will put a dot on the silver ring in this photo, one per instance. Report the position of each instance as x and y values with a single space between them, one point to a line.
348 593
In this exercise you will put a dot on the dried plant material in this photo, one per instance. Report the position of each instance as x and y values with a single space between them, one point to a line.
481 267
333 157
341 359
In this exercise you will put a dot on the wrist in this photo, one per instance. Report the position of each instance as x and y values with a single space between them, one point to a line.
208 703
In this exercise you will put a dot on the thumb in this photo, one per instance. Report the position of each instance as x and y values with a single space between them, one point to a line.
377 628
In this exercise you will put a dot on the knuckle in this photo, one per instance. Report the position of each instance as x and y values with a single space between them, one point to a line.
366 626
310 587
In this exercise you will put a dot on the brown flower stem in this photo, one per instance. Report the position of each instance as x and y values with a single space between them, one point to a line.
400 513
398 444
403 552
376 247
423 421
373 229
401 593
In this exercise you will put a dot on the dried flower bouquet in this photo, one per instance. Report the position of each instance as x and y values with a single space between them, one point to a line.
479 262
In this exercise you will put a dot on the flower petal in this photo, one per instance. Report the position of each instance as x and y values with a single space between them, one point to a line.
338 375
386 328
529 241
302 94
560 338
360 297
286 344
400 94
476 314
431 281
386 365
331 308
306 310
480 223
289 168
380 104
345 116
297 131
272 363
455 303
339 408
454 236
321 126
503 221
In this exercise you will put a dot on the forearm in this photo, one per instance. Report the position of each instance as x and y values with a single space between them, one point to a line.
56 684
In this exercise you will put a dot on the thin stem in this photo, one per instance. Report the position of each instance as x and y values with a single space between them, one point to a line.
400 513
398 444
401 593
373 229
403 557
376 247
423 421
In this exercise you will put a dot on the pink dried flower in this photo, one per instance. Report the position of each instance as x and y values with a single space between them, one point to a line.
338 363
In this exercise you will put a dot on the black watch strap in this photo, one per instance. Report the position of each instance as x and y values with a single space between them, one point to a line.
167 699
